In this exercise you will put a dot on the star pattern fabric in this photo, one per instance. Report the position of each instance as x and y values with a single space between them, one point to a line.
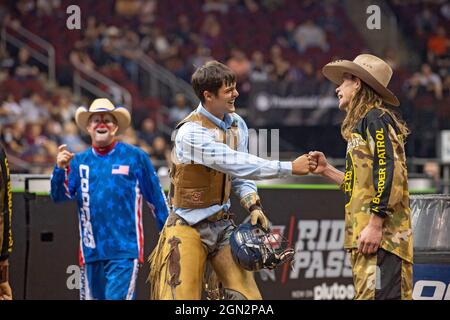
106 188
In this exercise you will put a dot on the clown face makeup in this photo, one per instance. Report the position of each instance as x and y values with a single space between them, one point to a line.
102 128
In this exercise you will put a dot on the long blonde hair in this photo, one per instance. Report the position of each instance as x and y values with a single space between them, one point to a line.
364 100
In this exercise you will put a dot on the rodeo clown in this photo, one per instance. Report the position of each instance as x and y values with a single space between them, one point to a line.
210 158
108 181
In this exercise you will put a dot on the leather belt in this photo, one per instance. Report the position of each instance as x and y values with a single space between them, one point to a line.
221 215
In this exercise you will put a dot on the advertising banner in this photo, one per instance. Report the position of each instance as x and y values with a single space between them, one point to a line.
312 222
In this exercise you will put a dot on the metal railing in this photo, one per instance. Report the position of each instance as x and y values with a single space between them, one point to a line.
47 60
88 79
161 78
162 84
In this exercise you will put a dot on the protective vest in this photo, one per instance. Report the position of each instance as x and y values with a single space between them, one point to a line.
194 185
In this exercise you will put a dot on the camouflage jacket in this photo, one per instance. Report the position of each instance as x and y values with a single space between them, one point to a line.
6 241
375 182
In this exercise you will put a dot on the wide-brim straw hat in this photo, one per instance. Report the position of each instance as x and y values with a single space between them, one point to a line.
121 114
373 71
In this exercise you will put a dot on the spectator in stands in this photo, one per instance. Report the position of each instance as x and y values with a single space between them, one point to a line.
310 35
296 73
6 61
112 46
131 53
160 151
40 159
148 11
184 32
201 56
66 108
239 64
411 86
4 75
329 22
445 10
280 70
446 85
309 76
79 57
426 21
12 138
128 8
176 64
211 31
4 13
29 144
272 5
220 6
25 7
280 67
130 136
32 107
92 31
71 138
94 35
148 131
179 110
251 6
24 68
47 7
438 43
431 81
37 140
53 131
276 53
259 71
286 38
10 110
160 43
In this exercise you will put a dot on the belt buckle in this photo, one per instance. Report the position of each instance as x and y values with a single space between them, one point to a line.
226 216
221 215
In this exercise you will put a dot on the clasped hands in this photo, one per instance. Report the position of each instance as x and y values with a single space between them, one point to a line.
314 162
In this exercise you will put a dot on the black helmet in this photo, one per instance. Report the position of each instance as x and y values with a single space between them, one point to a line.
253 248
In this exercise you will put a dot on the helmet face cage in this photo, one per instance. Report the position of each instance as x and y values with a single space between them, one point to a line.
276 250
254 248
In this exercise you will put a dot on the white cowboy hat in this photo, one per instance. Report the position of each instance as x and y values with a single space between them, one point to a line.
121 114
375 72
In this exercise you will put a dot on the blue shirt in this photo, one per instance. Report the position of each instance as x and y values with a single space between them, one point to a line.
108 189
196 143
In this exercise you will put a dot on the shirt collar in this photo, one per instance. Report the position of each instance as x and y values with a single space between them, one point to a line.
224 125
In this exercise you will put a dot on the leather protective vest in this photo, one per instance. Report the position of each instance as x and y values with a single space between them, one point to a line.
195 185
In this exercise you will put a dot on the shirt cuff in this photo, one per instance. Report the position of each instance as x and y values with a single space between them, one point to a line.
245 190
57 170
378 212
285 168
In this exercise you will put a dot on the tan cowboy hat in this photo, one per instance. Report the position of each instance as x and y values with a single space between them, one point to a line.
375 72
121 114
